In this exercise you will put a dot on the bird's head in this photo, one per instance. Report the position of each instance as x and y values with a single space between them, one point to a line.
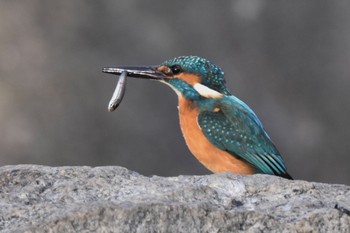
190 76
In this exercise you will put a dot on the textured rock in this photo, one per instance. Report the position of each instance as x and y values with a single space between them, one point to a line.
114 199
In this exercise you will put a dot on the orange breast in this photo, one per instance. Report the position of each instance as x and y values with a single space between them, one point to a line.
213 158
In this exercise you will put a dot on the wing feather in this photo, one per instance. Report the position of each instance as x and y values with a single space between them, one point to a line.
236 129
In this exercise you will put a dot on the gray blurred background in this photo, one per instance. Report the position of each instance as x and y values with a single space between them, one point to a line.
288 60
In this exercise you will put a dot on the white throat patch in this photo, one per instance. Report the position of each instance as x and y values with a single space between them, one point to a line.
206 91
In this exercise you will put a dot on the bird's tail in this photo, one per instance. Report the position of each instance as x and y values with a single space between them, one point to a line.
286 176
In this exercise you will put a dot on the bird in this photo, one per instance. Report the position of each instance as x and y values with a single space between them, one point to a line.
220 130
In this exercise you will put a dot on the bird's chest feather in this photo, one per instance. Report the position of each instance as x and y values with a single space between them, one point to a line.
210 156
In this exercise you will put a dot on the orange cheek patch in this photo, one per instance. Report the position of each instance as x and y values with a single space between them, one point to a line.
189 78
164 69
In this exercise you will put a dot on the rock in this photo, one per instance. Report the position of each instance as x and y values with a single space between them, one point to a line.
114 199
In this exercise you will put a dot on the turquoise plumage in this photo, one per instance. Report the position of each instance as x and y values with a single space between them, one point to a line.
236 129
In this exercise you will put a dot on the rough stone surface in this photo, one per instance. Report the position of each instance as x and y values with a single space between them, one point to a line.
113 199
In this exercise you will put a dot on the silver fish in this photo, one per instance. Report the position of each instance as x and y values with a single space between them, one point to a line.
118 93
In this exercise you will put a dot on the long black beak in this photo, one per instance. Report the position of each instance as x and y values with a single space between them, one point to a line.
146 72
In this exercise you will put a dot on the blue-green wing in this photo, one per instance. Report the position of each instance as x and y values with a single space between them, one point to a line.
236 129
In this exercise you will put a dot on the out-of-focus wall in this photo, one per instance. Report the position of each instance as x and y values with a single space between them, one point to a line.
288 60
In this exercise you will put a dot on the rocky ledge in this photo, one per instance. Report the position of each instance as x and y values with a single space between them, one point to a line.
114 199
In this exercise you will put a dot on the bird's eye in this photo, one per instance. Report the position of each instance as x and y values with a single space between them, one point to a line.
176 69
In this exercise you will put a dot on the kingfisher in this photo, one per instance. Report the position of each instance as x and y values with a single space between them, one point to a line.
220 130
